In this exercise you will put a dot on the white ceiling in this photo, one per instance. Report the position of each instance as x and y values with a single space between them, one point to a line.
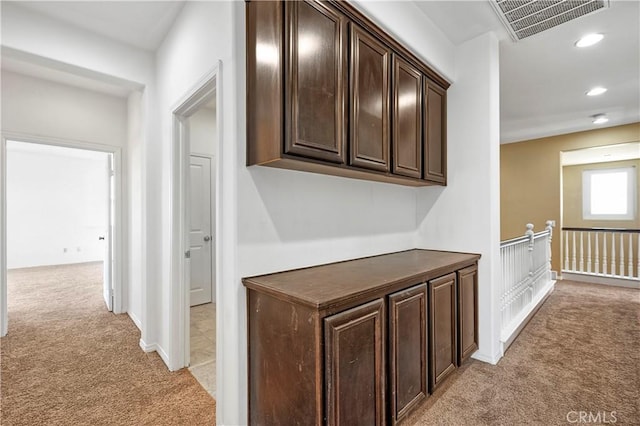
543 78
142 24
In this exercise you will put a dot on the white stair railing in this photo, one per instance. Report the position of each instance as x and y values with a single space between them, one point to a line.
616 252
526 278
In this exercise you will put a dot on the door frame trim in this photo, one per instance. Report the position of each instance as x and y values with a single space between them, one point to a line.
206 87
117 281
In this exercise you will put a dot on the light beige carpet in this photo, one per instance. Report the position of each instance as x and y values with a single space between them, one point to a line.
580 353
68 361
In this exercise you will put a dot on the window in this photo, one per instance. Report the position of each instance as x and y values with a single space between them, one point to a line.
609 194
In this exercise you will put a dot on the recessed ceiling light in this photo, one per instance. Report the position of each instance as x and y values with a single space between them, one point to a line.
600 119
596 91
589 40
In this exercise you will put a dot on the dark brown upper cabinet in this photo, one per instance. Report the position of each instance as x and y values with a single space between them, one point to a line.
407 119
316 86
370 116
330 92
435 145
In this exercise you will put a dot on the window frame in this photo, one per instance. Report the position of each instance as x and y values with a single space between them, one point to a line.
631 194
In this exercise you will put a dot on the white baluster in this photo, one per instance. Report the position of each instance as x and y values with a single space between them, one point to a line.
529 233
638 254
604 253
566 251
573 254
597 259
581 253
589 252
630 257
613 253
621 254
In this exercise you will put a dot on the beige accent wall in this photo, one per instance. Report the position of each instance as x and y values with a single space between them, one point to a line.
530 179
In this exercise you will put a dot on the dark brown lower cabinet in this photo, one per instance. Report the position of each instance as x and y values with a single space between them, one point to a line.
357 342
407 350
467 312
354 362
442 328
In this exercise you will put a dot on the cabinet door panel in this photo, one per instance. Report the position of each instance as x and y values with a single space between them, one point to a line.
407 349
442 328
407 119
354 359
369 101
435 152
315 99
467 312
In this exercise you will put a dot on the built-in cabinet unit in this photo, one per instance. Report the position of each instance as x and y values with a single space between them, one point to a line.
330 92
359 342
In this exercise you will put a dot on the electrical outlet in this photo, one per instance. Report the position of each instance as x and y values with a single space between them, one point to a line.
64 250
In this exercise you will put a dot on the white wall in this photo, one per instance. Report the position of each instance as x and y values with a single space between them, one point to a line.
203 131
56 205
44 108
134 224
408 24
465 216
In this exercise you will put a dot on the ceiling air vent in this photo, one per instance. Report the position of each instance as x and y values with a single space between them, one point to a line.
524 18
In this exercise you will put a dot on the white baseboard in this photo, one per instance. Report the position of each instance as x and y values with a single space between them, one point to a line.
597 279
518 324
135 320
489 359
148 347
154 347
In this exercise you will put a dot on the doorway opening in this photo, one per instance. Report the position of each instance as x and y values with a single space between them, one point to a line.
195 238
61 210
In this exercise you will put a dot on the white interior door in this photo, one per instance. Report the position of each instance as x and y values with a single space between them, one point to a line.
107 279
200 235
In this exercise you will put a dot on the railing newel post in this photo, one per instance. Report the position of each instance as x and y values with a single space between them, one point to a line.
529 234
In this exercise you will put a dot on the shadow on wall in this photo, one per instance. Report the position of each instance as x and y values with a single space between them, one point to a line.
301 206
427 198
